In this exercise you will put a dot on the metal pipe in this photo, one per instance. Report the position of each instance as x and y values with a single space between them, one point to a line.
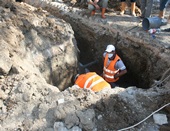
84 68
89 64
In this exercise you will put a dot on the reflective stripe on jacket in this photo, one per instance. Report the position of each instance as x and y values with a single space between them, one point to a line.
92 81
109 69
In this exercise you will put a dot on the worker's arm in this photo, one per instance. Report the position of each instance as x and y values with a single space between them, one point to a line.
121 73
121 69
94 3
91 2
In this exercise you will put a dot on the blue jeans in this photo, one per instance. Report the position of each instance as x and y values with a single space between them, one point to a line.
162 4
113 84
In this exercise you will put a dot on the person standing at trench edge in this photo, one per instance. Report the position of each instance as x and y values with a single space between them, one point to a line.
162 8
113 66
123 7
94 5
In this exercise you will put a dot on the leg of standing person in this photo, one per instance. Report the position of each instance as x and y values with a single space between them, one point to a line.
149 5
104 4
162 8
123 7
168 2
92 9
133 6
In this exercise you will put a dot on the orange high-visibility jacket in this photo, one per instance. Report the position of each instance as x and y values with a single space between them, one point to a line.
91 81
109 70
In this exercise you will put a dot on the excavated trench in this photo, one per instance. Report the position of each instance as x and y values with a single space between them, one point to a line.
146 60
145 63
141 61
137 66
142 64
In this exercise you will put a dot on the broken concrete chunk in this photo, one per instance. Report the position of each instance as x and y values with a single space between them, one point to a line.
160 119
60 101
59 126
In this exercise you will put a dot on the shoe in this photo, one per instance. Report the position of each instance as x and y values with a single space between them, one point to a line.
133 6
133 14
122 13
123 7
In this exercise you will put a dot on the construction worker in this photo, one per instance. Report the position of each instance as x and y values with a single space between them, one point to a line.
91 81
162 8
94 5
123 7
113 66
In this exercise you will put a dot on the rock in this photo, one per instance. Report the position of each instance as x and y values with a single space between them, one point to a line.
87 119
5 61
27 123
71 120
26 97
160 119
75 128
3 95
59 126
60 101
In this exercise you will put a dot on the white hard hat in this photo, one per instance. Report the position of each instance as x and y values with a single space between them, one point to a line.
110 48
